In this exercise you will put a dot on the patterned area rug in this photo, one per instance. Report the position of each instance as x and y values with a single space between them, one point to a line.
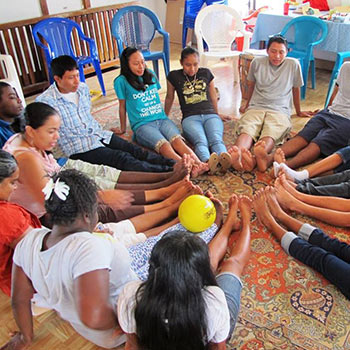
285 304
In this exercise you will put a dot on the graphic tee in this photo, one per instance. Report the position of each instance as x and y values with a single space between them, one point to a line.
193 92
142 107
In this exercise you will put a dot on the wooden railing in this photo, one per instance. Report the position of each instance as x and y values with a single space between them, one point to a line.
16 39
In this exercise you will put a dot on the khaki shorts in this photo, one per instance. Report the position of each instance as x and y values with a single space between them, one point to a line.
105 176
260 123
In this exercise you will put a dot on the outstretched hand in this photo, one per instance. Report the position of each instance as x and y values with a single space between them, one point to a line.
117 199
16 343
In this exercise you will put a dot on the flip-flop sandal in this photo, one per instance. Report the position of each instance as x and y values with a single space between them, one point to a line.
214 164
225 161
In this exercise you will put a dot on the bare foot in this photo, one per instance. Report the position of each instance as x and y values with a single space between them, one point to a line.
262 157
169 190
225 161
197 190
213 163
245 207
199 169
287 185
235 154
248 160
182 168
285 199
264 215
232 212
275 208
179 194
262 210
279 156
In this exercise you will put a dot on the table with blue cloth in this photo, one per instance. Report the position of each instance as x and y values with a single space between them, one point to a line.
337 40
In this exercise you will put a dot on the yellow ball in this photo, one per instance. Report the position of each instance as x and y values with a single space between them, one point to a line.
197 213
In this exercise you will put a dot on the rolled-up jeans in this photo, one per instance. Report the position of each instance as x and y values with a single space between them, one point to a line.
232 288
205 132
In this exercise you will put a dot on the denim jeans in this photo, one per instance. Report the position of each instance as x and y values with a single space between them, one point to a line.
154 134
232 287
205 132
327 255
335 185
344 153
124 155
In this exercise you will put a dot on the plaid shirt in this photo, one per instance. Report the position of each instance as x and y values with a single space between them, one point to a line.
79 131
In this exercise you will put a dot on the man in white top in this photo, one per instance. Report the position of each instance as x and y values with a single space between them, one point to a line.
274 81
326 132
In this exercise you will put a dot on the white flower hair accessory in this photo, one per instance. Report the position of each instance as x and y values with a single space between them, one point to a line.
60 188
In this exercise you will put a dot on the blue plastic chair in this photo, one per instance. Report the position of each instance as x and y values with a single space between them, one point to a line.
57 32
136 26
339 61
307 31
192 7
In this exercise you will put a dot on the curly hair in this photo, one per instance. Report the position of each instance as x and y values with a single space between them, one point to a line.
82 198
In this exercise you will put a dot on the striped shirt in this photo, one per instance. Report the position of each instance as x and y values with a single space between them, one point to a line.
79 131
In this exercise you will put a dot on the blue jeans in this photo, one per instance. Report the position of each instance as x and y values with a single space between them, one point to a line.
232 287
154 134
344 153
335 185
205 132
328 256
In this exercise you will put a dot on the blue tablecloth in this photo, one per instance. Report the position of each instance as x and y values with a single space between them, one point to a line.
337 40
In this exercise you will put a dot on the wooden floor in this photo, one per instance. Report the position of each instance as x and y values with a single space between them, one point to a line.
51 332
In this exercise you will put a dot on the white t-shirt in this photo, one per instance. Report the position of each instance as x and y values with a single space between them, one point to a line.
54 270
71 97
218 317
341 102
274 84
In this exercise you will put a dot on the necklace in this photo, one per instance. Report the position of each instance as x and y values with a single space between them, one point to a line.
193 82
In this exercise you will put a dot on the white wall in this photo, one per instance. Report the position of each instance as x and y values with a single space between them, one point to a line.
16 10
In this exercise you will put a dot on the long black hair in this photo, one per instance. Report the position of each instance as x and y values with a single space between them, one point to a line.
82 198
135 81
8 165
170 309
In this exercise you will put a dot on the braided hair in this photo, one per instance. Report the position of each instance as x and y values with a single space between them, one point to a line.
82 198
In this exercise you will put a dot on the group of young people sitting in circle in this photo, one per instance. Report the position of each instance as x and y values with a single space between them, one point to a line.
106 213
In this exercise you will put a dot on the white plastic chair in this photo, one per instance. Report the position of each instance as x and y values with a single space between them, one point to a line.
218 26
8 67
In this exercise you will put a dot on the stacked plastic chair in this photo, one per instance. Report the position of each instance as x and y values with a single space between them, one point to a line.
57 32
136 26
219 38
308 32
192 7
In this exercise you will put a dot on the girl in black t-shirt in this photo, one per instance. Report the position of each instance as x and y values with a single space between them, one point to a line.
201 123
